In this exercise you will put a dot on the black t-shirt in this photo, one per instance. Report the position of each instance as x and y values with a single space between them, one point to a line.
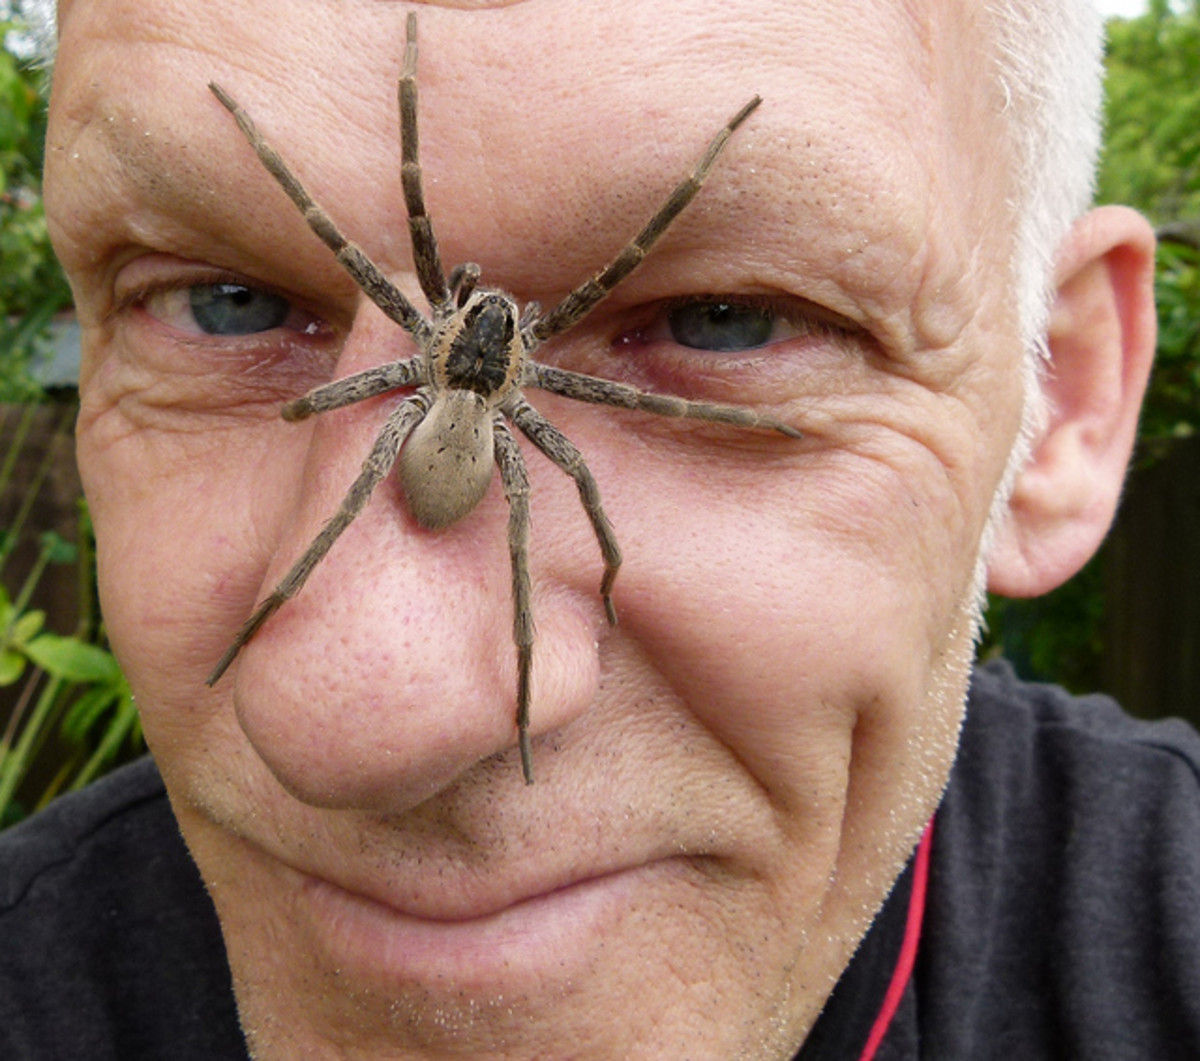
1061 914
1062 917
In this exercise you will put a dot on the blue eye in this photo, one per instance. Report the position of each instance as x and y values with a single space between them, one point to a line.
720 325
234 309
227 309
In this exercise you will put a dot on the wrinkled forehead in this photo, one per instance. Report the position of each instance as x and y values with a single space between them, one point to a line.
907 67
880 116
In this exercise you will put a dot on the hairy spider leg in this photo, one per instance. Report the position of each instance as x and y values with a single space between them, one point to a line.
562 451
378 463
581 301
515 479
426 258
366 274
463 280
357 388
585 388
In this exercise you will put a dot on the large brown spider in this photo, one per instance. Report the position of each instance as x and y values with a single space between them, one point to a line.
473 366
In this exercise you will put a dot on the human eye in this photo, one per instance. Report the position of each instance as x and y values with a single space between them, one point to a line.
721 325
717 324
227 309
219 339
739 347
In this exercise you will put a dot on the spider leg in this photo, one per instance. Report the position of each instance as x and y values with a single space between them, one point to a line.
379 461
529 313
515 479
463 279
580 301
562 451
608 392
366 273
428 262
356 388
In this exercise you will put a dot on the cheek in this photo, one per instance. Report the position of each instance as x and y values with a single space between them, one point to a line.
794 599
175 519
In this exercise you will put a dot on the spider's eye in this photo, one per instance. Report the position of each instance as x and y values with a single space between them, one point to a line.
226 309
720 325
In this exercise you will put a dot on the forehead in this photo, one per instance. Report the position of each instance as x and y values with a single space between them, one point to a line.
881 70
880 117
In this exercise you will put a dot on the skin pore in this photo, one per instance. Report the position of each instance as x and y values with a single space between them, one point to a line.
730 779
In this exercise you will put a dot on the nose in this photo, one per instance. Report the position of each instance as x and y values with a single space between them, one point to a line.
393 671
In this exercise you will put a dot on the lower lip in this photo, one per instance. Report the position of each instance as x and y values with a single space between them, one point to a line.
550 936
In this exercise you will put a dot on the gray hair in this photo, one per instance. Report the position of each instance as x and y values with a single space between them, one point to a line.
1049 66
1048 62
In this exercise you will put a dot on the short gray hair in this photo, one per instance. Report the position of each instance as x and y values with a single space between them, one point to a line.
1049 64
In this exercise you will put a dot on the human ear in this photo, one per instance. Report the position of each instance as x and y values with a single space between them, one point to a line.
1101 337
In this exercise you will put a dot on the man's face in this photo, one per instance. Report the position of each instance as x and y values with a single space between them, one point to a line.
729 780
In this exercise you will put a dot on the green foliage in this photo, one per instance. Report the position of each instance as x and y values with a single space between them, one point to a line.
74 715
1058 637
73 691
1151 157
71 684
1150 160
1173 403
32 286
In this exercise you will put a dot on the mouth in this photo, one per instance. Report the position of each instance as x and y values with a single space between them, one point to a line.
481 943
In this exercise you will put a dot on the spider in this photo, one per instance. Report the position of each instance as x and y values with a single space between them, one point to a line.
473 366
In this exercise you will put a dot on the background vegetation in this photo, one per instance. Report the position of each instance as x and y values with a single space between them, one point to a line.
66 712
32 287
69 713
1150 160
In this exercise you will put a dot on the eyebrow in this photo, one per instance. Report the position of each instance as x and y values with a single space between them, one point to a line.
165 169
206 190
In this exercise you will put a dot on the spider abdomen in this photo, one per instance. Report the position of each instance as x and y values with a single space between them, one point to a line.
446 464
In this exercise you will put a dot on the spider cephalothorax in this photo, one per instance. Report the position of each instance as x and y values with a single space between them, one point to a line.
469 377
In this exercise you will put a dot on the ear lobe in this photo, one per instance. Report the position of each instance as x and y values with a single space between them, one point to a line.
1101 337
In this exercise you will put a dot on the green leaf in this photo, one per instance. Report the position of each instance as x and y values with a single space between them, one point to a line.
12 665
57 549
89 709
26 627
107 705
73 660
123 726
